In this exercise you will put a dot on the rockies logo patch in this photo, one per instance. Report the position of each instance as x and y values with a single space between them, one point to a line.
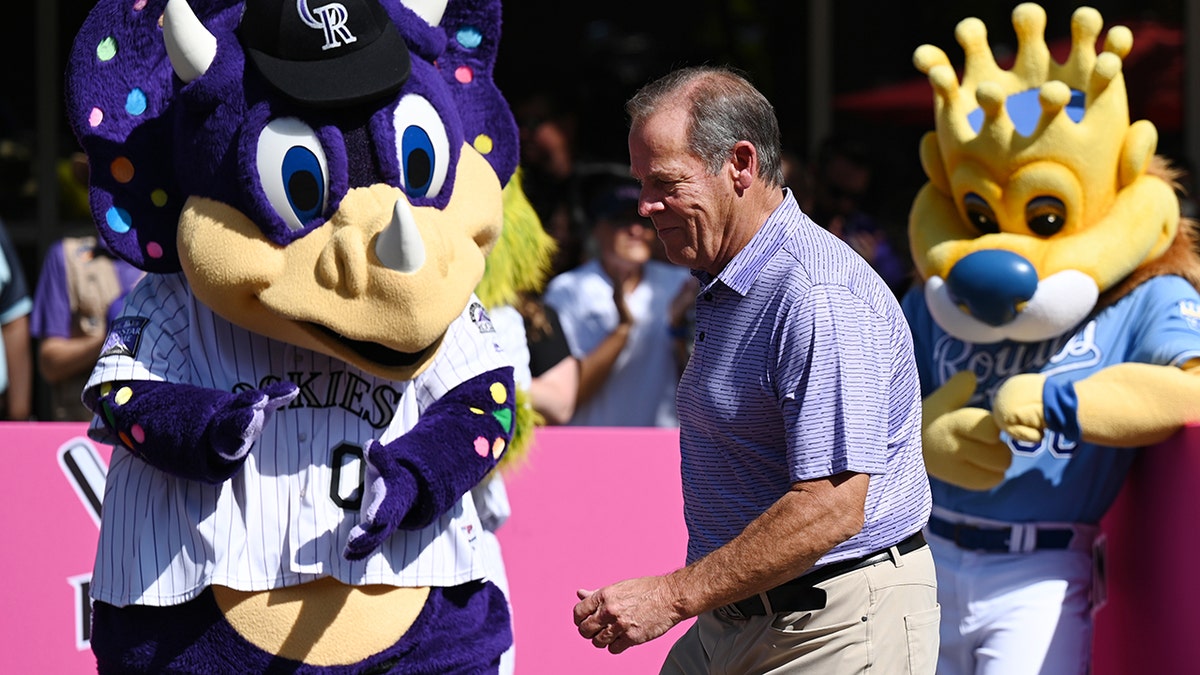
124 336
480 316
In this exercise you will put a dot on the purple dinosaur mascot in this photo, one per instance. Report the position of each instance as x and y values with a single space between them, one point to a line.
304 387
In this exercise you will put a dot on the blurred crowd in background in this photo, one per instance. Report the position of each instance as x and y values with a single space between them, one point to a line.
622 308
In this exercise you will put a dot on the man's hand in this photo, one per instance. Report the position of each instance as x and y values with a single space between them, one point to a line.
627 613
624 318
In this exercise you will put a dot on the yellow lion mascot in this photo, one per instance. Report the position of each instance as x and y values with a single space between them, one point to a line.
1057 330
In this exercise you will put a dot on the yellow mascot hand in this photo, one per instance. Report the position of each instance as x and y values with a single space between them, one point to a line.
1017 407
962 445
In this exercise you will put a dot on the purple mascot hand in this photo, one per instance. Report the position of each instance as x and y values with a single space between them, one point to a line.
383 507
239 423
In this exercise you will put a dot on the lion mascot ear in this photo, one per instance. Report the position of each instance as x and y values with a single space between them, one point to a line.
305 387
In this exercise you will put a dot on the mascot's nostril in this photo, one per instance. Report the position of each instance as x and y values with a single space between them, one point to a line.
992 284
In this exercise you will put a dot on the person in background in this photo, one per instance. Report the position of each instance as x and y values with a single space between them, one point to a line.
16 368
549 137
79 291
841 187
554 371
615 311
805 492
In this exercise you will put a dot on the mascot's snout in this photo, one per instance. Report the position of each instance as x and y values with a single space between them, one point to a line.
993 285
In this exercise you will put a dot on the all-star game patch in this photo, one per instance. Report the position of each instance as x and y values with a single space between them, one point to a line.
480 316
124 336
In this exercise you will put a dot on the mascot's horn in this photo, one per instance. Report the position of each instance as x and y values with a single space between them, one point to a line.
190 46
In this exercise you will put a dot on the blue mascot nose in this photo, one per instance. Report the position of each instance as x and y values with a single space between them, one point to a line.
991 284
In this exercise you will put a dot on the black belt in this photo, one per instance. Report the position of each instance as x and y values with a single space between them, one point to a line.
997 539
801 594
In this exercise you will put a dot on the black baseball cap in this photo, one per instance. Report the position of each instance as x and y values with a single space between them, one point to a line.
616 200
324 53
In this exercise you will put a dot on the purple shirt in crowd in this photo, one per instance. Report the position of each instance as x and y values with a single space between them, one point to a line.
803 368
52 314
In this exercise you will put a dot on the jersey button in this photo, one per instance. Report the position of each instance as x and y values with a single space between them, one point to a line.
302 436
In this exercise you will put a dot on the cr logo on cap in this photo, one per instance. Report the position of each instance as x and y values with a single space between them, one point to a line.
330 18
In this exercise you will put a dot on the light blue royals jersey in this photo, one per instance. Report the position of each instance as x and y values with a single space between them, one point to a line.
1058 480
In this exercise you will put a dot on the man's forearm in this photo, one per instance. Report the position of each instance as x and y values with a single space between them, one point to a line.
595 367
20 369
781 544
60 358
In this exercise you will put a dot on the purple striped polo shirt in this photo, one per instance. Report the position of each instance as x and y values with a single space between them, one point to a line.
803 368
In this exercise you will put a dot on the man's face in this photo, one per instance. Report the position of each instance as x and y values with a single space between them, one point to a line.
689 207
625 239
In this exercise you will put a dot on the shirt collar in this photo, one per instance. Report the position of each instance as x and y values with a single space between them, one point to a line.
740 273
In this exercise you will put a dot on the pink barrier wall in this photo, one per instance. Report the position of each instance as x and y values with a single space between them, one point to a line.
591 506
52 482
1150 622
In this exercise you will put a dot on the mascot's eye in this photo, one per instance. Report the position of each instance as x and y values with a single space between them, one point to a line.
422 146
1046 215
293 171
980 214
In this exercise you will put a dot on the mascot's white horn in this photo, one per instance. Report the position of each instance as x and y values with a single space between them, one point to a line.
399 245
189 44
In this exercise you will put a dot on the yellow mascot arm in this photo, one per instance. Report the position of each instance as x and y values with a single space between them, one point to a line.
962 445
1128 405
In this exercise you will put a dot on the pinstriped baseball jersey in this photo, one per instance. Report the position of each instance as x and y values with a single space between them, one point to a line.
285 517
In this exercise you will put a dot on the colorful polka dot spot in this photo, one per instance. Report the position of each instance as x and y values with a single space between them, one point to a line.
154 250
477 411
95 117
123 395
122 169
107 49
125 439
482 144
158 197
118 220
481 446
505 417
499 393
135 102
464 74
469 37
498 448
105 388
138 433
139 5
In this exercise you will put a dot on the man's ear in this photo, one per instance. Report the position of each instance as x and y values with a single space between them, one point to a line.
743 164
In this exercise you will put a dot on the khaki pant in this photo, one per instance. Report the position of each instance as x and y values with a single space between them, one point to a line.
881 619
